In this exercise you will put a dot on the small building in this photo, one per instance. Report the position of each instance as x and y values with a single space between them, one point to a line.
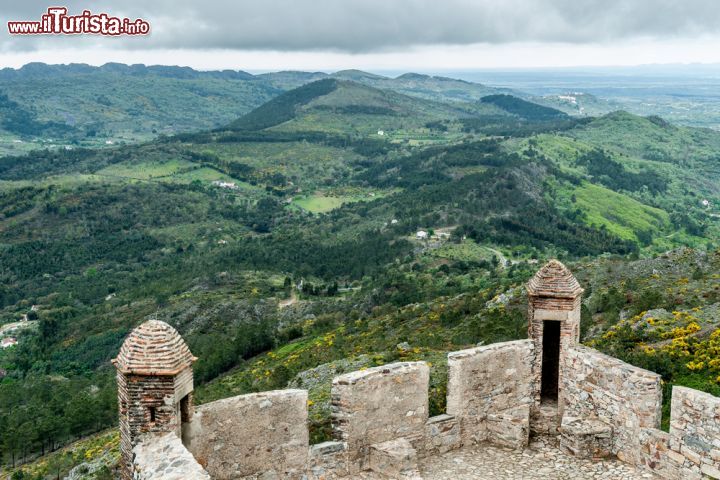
421 235
221 184
705 203
393 221
381 132
155 386
8 342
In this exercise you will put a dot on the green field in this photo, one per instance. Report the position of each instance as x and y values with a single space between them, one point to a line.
465 251
147 170
619 213
323 202
176 171
319 203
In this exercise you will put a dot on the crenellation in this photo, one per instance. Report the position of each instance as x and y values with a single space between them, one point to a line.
497 394
489 381
275 422
378 405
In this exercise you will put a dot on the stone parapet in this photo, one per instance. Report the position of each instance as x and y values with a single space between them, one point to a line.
486 382
163 456
378 405
251 434
604 388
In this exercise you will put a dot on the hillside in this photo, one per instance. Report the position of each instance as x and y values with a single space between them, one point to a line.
523 109
120 103
342 107
283 246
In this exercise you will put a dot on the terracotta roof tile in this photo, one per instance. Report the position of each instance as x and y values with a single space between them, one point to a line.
154 348
554 280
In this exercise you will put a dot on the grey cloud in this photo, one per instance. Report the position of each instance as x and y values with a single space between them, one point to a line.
379 25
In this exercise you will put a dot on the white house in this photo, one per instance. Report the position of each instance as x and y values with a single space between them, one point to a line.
421 235
8 342
221 184
705 203
381 132
393 221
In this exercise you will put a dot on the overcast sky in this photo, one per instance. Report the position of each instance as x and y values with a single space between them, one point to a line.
419 35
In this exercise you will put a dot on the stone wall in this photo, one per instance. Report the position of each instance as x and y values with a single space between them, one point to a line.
163 456
691 451
490 390
261 433
378 405
625 398
695 432
381 419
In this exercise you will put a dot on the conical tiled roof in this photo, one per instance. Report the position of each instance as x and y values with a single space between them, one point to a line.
554 280
154 348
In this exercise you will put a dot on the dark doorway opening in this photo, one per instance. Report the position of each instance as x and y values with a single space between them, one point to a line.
185 417
550 360
185 409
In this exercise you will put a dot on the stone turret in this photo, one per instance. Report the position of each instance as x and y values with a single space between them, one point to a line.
554 326
155 385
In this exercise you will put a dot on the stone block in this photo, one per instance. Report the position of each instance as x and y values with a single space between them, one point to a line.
586 438
442 434
510 428
327 460
545 420
710 471
394 459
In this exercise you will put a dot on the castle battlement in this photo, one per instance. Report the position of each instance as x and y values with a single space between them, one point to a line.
497 394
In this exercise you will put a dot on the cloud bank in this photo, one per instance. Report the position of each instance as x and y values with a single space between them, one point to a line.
372 26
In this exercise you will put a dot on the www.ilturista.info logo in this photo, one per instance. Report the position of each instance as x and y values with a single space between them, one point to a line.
57 22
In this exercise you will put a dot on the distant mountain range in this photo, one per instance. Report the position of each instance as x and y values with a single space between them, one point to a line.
117 103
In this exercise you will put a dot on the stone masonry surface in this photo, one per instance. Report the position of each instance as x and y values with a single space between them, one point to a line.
163 456
380 404
486 388
251 434
602 388
695 433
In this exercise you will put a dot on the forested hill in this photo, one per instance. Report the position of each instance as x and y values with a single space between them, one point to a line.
117 103
284 246
523 108
332 106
